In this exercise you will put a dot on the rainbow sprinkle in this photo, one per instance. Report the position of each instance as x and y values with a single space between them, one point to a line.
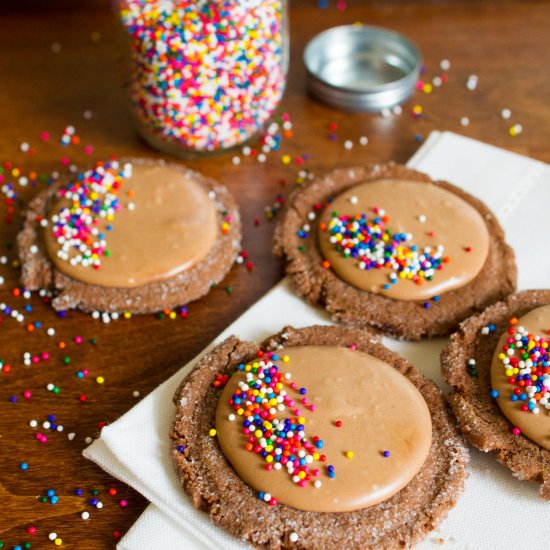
206 75
280 440
526 363
373 246
92 197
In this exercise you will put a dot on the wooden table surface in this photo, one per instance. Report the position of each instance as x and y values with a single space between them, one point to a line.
58 61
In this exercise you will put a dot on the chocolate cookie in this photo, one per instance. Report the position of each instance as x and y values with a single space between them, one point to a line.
138 236
384 247
213 484
480 402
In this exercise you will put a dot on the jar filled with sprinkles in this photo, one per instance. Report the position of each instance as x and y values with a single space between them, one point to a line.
205 75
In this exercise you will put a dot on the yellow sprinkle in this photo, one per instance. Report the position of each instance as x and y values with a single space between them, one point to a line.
258 433
316 456
212 432
286 159
58 542
100 379
301 474
350 454
301 420
427 88
172 315
269 458
502 356
286 359
127 315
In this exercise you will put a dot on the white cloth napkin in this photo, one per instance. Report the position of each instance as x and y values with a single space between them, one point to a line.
496 510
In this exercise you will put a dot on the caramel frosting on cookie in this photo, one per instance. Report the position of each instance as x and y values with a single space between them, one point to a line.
407 240
128 226
323 428
520 375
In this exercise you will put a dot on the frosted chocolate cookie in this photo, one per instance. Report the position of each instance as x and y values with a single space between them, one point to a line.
320 437
498 364
384 247
136 235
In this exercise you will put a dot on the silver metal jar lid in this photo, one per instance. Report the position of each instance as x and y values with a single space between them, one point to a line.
359 68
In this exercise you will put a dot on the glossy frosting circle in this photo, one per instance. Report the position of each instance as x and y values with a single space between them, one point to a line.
432 215
379 410
166 224
535 426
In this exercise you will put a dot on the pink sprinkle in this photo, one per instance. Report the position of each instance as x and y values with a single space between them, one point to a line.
123 503
27 394
88 149
45 355
45 136
78 339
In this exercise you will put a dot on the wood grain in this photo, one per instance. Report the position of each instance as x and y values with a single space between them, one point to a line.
503 43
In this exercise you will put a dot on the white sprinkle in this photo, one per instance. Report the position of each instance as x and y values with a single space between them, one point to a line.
236 160
485 330
99 505
437 81
46 425
231 418
353 199
506 113
247 151
71 436
88 440
131 206
24 147
348 144
422 218
445 64
262 157
293 537
136 394
465 121
60 428
317 483
471 83
50 387
397 110
50 332
85 515
52 536
33 249
363 140
33 423
385 112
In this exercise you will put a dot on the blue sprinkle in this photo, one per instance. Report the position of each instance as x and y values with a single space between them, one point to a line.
494 394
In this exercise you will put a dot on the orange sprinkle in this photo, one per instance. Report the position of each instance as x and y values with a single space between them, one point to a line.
514 321
62 345
326 264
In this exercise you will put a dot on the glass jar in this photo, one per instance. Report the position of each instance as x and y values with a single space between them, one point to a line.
204 75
